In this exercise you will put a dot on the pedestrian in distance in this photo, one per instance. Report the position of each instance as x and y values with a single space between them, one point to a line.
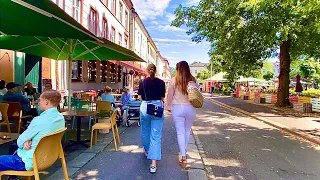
183 112
212 90
152 92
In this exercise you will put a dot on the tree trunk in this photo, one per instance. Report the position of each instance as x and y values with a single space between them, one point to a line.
284 81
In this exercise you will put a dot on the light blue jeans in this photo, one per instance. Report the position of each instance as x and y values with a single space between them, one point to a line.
151 131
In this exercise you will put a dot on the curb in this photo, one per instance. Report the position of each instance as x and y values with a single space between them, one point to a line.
207 168
292 131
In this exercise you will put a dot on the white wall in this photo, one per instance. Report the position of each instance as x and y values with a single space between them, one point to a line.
113 21
197 69
140 43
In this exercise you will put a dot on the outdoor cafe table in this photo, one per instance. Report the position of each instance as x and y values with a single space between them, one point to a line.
79 115
13 136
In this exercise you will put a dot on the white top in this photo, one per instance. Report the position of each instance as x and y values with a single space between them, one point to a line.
3 91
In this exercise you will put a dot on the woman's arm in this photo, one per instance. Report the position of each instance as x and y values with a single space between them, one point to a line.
170 96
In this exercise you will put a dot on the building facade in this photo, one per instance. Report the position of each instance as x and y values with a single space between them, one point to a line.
114 20
197 67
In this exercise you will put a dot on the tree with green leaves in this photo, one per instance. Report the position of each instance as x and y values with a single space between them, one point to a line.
203 75
310 70
268 76
247 32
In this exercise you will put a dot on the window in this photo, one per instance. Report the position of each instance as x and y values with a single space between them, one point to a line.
120 12
60 3
105 28
93 21
126 20
113 7
120 39
92 74
196 71
113 34
76 12
104 71
76 71
126 41
105 2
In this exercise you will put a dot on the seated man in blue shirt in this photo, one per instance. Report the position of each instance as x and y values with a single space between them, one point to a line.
125 99
48 122
13 96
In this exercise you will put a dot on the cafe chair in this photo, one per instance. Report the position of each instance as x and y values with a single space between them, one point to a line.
112 125
81 105
4 112
48 151
15 112
104 109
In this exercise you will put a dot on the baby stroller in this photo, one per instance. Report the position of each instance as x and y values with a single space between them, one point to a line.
132 113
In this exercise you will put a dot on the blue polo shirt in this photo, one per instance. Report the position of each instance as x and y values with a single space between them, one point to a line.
18 97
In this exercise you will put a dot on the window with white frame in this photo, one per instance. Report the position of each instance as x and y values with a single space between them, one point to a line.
76 10
105 28
113 34
120 12
93 21
120 39
113 6
126 20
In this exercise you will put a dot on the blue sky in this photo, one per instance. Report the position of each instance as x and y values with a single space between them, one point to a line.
172 42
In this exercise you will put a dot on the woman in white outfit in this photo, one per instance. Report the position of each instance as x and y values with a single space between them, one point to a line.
183 112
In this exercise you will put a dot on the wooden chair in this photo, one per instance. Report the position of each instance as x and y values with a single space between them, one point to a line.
112 125
103 107
15 112
48 151
4 112
85 97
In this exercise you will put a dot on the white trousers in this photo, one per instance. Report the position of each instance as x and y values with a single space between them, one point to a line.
183 116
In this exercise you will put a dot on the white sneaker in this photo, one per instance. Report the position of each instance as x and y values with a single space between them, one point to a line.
153 169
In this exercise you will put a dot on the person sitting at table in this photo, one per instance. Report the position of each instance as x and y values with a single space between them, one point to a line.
47 87
30 90
48 122
106 96
125 99
3 89
13 96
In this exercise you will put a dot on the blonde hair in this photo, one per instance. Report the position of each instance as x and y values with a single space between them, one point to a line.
107 89
183 76
53 96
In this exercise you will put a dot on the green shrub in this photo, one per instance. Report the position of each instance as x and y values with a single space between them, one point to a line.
311 92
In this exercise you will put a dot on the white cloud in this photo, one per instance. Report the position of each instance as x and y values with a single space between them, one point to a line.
166 28
192 2
170 17
150 9
174 52
169 40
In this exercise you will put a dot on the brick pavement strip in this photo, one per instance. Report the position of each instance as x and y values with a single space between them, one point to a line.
280 126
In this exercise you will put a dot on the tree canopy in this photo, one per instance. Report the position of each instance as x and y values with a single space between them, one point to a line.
247 32
203 75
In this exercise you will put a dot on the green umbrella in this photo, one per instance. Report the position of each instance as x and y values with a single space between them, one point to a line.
68 49
50 32
39 18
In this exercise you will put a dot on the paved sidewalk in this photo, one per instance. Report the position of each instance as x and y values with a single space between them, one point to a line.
129 162
306 127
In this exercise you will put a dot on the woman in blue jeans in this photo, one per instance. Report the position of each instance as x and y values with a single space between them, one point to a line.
151 91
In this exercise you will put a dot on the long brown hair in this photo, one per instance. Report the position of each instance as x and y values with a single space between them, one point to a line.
183 76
